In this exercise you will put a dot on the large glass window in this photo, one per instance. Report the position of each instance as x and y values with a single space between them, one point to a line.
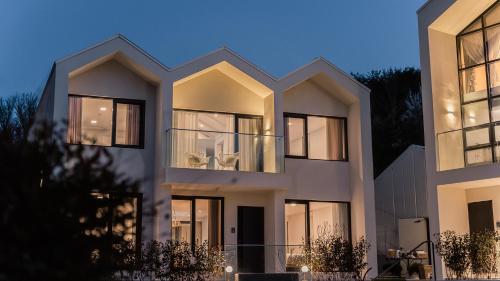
305 221
315 137
197 219
478 47
91 120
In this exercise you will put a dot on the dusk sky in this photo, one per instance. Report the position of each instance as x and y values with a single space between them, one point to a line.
277 36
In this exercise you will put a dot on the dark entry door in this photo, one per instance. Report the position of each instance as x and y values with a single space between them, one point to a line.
251 237
481 216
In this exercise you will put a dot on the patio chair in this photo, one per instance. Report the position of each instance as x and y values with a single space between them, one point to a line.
226 161
196 160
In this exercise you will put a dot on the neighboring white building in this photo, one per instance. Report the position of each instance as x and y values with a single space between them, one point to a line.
401 196
235 155
459 56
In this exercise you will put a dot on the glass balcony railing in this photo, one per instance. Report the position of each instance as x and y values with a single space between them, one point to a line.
466 147
210 150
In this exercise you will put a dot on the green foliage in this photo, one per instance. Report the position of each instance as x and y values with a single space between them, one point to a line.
331 253
454 249
476 253
483 253
177 261
53 227
396 113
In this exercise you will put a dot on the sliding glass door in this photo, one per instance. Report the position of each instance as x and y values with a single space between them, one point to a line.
214 140
197 219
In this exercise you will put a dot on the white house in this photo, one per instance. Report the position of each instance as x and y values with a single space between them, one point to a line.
459 56
237 156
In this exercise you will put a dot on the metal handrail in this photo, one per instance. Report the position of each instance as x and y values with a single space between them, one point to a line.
432 260
220 132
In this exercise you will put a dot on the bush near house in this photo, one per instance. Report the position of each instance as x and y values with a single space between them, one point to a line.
331 257
467 255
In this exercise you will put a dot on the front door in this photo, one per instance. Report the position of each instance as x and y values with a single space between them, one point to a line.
251 238
481 216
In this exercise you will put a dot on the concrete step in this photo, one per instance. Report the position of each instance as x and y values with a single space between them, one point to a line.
289 276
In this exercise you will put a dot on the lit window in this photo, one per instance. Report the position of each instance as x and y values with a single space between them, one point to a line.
315 137
295 136
90 121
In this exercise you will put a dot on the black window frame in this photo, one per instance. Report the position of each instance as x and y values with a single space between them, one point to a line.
306 135
138 219
142 122
493 143
308 215
192 199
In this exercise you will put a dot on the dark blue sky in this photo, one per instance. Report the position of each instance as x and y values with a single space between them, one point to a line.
276 35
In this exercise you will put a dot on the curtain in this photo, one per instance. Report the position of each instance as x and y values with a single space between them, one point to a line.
74 134
133 124
493 39
184 137
250 144
335 139
472 49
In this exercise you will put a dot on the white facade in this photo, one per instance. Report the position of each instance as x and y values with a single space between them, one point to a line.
458 89
400 194
228 87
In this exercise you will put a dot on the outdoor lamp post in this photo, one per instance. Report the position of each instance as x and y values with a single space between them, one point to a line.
229 270
304 270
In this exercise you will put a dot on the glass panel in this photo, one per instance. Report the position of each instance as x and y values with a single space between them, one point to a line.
494 78
476 114
473 83
328 218
127 209
493 16
497 133
250 144
493 42
295 233
294 131
181 220
97 120
450 150
326 138
478 136
478 156
128 124
497 153
474 26
471 49
495 109
208 221
198 143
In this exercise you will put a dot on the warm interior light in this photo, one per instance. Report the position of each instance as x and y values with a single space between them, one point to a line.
201 125
216 115
93 121
103 108
290 123
293 204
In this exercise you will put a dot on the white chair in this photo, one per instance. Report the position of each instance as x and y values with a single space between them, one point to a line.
196 160
228 160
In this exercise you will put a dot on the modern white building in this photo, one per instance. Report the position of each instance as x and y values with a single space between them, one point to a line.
460 53
236 156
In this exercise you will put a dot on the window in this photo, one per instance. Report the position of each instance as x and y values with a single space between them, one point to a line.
197 219
123 213
478 47
105 121
307 220
315 137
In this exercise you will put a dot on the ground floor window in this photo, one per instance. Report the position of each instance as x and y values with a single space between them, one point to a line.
307 220
197 219
123 213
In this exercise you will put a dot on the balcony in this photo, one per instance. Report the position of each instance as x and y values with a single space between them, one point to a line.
224 151
467 147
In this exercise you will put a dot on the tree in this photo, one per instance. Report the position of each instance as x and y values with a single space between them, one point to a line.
396 112
54 223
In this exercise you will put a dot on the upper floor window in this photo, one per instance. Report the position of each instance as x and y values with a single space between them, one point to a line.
478 47
105 121
315 137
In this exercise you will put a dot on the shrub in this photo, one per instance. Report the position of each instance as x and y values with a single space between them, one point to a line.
483 252
454 249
